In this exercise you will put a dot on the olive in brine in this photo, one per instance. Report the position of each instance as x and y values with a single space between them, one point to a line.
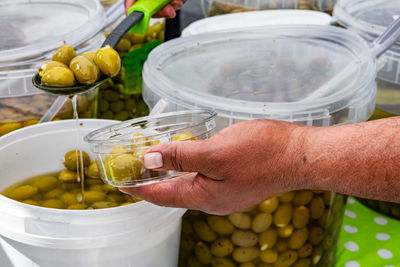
58 76
85 71
64 54
72 159
89 55
108 61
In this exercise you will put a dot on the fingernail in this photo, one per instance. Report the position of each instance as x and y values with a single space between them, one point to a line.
152 160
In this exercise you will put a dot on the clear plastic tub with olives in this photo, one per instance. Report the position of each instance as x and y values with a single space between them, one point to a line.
120 98
219 7
118 149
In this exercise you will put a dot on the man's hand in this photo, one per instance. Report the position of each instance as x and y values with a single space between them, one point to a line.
238 167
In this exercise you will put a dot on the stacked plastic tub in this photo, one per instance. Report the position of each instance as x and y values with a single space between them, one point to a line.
218 7
368 19
33 30
313 75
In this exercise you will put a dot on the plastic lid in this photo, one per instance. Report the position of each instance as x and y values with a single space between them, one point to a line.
118 148
369 18
30 29
316 75
257 18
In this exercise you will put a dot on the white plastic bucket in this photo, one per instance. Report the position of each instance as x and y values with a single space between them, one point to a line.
140 234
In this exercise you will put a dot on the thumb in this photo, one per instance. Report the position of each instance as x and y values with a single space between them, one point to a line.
184 156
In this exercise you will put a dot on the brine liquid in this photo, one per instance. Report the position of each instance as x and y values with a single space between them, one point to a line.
79 163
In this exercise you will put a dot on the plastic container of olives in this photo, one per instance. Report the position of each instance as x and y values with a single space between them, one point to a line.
118 149
31 34
369 19
312 75
139 234
218 7
121 97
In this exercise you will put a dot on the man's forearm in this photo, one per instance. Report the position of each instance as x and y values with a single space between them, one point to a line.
360 159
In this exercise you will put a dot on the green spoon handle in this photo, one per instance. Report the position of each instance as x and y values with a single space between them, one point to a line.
148 8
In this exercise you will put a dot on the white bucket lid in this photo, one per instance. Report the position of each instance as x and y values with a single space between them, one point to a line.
305 74
369 18
256 18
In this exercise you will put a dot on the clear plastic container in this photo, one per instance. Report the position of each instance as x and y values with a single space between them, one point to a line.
369 18
118 149
218 7
313 75
121 97
256 19
33 30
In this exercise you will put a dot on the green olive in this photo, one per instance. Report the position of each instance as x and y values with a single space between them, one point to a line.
285 231
78 206
31 202
58 76
68 176
301 216
55 193
317 207
283 215
287 197
220 225
269 255
202 253
269 205
303 263
221 247
303 197
69 199
261 222
222 262
64 54
316 235
117 198
93 171
204 231
305 250
22 192
268 239
89 55
244 254
103 205
248 264
244 238
124 166
72 159
240 220
93 196
107 59
298 238
45 183
49 65
124 45
187 242
85 71
287 258
53 203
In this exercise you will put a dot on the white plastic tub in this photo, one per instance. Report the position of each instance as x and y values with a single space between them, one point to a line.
140 234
